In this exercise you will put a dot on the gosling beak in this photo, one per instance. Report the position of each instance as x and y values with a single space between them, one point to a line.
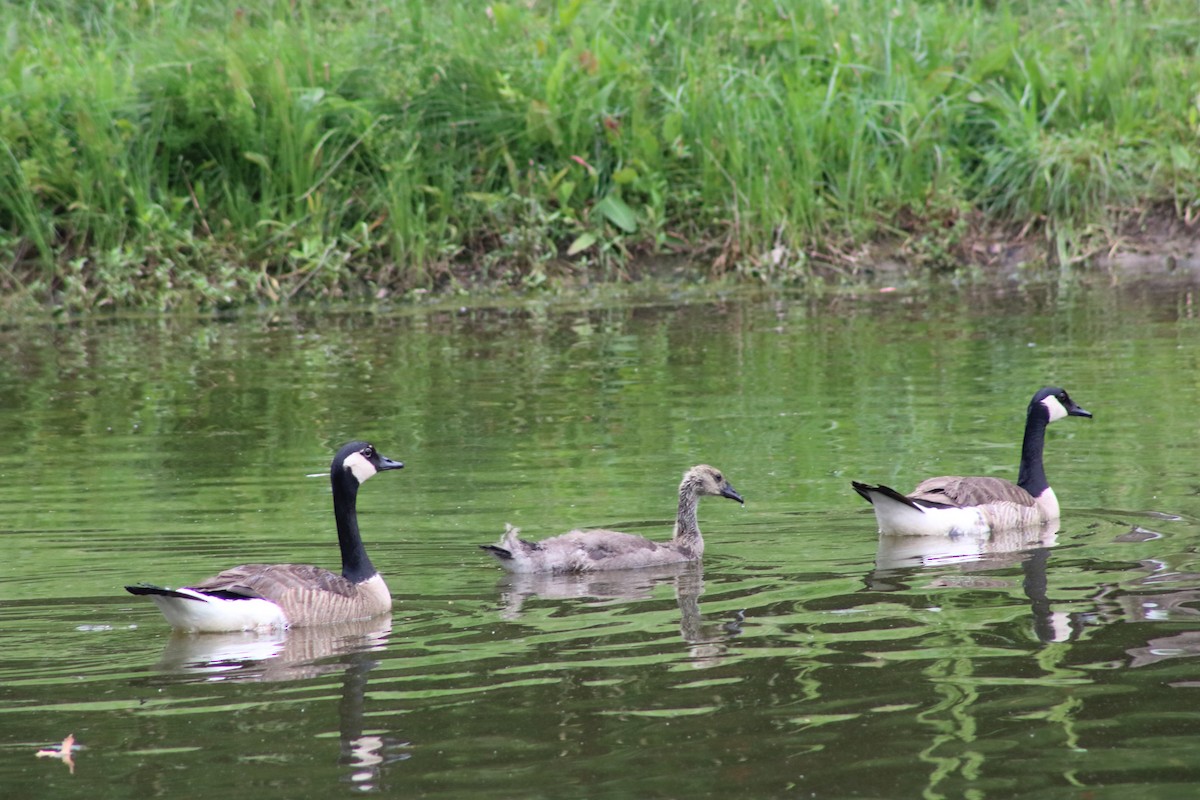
731 493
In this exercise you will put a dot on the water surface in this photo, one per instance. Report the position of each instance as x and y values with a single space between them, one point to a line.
805 657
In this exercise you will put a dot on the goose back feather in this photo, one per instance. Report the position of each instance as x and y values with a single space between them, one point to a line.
954 490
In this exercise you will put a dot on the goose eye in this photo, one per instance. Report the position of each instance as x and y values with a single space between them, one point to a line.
368 451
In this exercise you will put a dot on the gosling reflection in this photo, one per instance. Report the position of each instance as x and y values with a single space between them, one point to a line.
707 641
899 559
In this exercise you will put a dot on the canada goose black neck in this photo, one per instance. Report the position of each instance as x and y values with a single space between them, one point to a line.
356 564
354 463
1047 405
1032 477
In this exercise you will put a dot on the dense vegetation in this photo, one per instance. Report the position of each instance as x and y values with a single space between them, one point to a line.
171 152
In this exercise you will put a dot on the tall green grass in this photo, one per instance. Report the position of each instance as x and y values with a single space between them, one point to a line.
178 152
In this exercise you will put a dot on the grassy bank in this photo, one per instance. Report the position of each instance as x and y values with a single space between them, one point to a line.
171 152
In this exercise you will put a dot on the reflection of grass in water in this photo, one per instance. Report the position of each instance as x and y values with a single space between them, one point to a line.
163 154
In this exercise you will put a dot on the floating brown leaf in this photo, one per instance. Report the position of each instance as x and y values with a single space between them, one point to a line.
64 752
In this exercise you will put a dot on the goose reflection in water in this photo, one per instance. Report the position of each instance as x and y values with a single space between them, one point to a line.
301 654
903 558
707 641
974 553
273 655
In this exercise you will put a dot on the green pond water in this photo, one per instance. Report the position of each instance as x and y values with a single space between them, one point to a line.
804 658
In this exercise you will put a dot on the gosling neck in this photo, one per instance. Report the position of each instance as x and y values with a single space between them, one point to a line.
687 531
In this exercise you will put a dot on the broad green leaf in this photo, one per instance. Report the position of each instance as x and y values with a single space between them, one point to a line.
625 175
618 212
581 243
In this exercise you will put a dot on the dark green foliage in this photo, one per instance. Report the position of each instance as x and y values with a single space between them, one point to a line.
176 153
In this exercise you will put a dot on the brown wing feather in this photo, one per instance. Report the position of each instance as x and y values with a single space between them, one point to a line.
974 491
274 581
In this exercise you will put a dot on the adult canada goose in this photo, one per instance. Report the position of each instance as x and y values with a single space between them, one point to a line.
256 596
586 551
955 506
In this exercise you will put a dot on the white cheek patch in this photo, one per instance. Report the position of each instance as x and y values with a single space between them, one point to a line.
361 467
1057 410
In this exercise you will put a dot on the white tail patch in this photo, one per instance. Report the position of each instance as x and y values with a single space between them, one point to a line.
901 519
207 614
359 466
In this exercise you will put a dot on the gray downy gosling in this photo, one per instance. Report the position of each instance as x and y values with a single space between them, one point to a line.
592 550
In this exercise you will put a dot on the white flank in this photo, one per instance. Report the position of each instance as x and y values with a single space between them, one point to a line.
374 588
1057 410
1047 501
207 614
901 519
361 467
